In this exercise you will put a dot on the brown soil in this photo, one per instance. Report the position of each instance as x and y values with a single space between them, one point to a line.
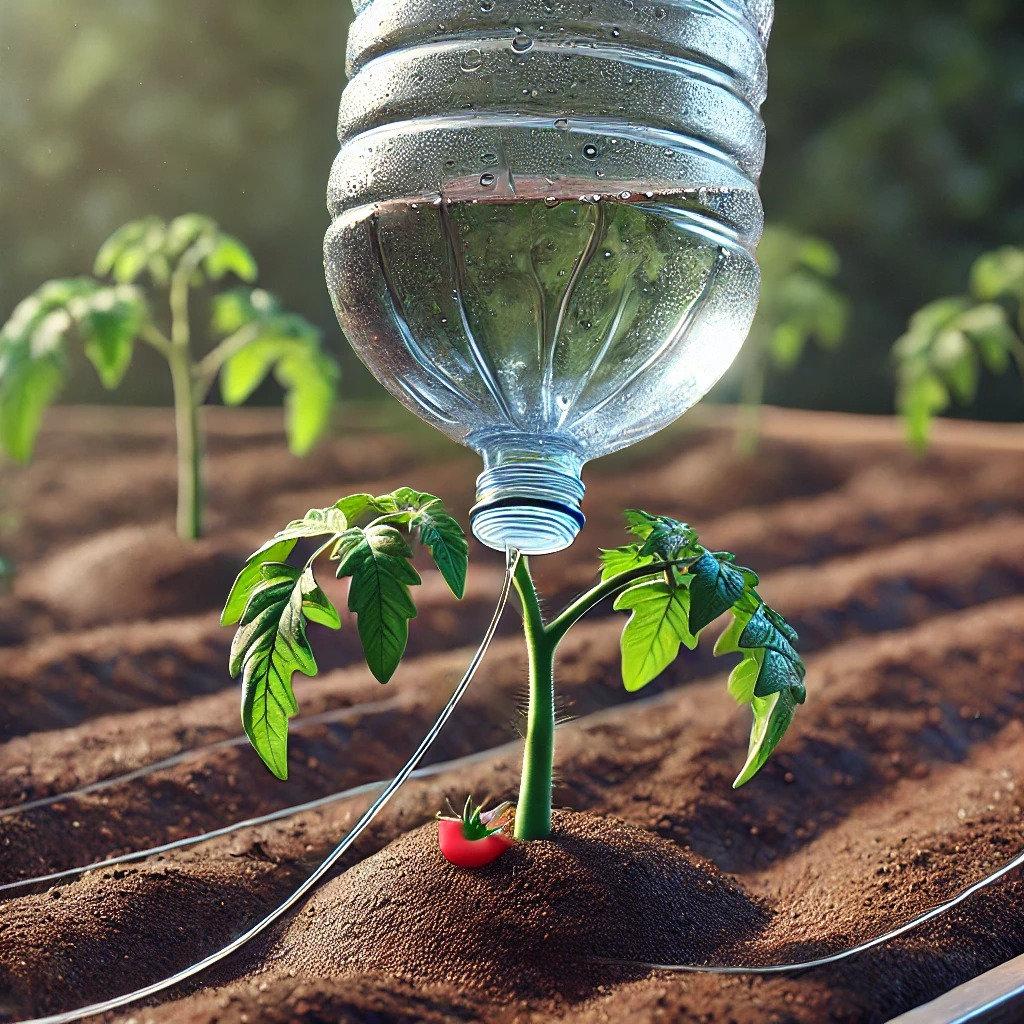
897 786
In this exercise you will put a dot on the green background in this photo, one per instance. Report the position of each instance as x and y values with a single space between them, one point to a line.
896 132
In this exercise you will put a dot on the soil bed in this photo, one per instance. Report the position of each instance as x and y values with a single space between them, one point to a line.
899 784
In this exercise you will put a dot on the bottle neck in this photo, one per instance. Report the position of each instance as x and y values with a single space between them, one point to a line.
528 496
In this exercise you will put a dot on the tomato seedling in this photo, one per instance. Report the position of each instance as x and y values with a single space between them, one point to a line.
257 336
947 342
672 586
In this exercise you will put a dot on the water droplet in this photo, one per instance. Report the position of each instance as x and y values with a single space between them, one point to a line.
562 401
444 320
607 254
586 325
471 59
488 159
521 44
552 201
562 124
590 151
660 13
616 33
487 180
486 6
599 173
625 195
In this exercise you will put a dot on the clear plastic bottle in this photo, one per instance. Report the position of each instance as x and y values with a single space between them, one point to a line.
544 216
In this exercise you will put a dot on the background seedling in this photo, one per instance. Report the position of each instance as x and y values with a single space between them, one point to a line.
947 342
799 304
673 587
256 335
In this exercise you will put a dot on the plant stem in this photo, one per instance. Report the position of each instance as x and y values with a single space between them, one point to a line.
533 813
190 449
186 409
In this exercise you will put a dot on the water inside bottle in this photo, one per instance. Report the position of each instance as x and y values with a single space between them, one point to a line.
546 309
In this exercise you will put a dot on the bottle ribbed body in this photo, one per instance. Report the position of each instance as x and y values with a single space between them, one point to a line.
544 213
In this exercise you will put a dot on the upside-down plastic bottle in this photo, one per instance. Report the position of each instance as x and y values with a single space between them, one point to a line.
544 218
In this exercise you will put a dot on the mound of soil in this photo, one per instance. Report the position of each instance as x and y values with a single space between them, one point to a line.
532 923
898 785
130 573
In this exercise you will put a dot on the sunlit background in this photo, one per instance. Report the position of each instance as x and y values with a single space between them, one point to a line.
895 135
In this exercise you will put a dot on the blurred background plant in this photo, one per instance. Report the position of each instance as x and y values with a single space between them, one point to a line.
799 304
948 341
894 134
256 336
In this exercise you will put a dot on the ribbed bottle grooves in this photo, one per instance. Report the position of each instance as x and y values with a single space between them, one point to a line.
528 498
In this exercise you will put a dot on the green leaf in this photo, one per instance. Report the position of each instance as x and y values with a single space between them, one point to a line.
246 370
317 522
26 390
743 678
229 255
654 632
716 587
378 560
780 672
356 506
742 612
110 323
251 576
438 531
760 631
310 379
998 274
640 523
919 399
445 539
269 647
125 253
772 717
954 359
616 561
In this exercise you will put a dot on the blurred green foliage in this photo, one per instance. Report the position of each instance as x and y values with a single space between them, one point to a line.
947 343
799 304
893 125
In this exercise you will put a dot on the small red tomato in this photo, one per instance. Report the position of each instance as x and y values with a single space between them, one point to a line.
477 838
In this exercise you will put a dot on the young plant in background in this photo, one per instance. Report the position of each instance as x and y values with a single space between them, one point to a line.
671 585
939 358
254 336
798 304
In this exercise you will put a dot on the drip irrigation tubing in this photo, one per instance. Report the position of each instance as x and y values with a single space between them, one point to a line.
326 717
264 819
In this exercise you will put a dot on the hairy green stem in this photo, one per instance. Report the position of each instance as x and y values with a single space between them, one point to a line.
533 813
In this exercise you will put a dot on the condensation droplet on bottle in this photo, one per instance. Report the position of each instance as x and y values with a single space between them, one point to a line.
608 254
487 6
616 33
488 159
562 124
599 173
471 60
590 151
521 43
625 195
552 201
660 13
487 180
